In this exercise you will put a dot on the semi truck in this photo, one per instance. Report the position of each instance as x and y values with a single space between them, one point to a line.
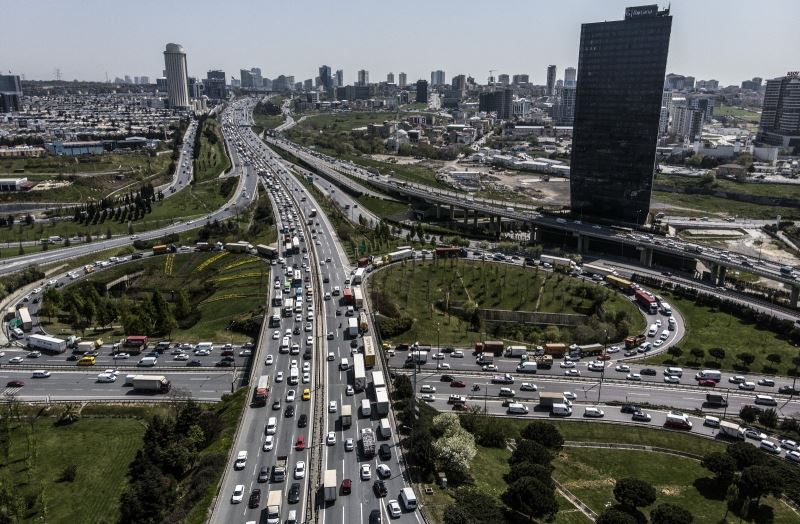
279 469
352 327
516 351
716 400
646 301
347 416
731 430
401 254
490 346
51 344
330 486
369 351
382 402
624 285
557 261
25 323
368 442
274 506
359 373
555 349
267 251
151 383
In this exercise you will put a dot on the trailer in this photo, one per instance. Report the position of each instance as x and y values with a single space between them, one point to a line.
626 286
369 351
731 430
555 349
359 375
447 252
516 351
557 262
237 247
382 402
266 251
490 346
378 381
330 485
346 416
151 383
25 323
51 344
352 327
358 297
594 269
397 256
591 350
261 391
647 301
368 442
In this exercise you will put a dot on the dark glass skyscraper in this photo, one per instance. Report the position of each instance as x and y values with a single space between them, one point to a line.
617 107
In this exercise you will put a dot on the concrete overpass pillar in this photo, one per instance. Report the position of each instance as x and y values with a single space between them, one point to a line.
475 220
646 256
466 216
452 213
795 296
438 211
721 277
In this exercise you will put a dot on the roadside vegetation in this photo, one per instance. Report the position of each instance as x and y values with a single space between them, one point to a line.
419 301
210 157
268 115
705 205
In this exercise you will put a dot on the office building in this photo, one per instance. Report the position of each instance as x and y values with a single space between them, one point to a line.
422 91
437 78
620 85
363 77
499 102
246 79
402 80
390 78
339 78
215 85
708 85
570 76
194 88
308 85
688 83
325 78
10 93
564 108
459 83
503 80
177 76
520 79
754 84
551 80
144 80
780 113
675 82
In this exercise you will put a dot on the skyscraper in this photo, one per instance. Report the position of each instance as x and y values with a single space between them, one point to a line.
621 70
503 80
363 77
10 93
780 114
570 74
520 79
437 78
422 91
339 78
403 80
177 76
459 83
215 85
551 80
325 79
390 78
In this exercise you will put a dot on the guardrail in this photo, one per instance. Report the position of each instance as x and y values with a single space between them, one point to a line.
9 398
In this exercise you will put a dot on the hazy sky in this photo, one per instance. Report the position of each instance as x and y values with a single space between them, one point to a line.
729 40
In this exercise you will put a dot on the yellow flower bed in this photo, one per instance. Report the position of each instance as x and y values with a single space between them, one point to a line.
210 261
228 296
236 277
168 261
239 263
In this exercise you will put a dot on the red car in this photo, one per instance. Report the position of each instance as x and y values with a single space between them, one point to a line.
604 357
460 407
457 384
707 383
15 384
300 444
346 487
227 353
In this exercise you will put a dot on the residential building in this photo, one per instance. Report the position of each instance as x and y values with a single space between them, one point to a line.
459 83
564 108
390 78
308 84
675 82
402 80
520 79
216 88
422 91
570 76
666 107
753 85
10 93
551 80
708 85
437 78
177 76
363 77
687 123
780 113
325 78
617 110
144 80
503 80
688 83
339 78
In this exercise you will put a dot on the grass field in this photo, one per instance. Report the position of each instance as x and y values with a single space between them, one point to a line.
711 205
738 112
212 159
722 184
707 328
416 286
383 208
93 497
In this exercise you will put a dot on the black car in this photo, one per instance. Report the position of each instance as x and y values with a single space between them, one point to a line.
307 354
447 378
787 390
338 312
385 452
326 280
379 488
628 408
296 330
447 350
263 475
276 405
255 498
194 363
294 493
302 421
224 364
375 516
289 411
648 371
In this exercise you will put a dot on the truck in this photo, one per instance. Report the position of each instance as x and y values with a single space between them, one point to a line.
274 500
160 249
626 286
347 416
555 349
358 276
490 346
51 344
547 399
542 361
731 430
261 391
363 325
275 319
381 402
417 357
84 347
634 341
359 373
516 351
503 379
266 251
358 297
25 323
136 343
352 327
347 297
396 256
591 350
378 380
288 307
447 252
295 245
279 469
368 442
558 262
716 400
386 428
369 351
151 383
484 359
330 485
237 247
527 367
594 269
647 301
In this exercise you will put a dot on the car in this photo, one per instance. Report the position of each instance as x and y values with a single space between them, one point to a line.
300 443
649 372
255 498
385 452
41 373
593 412
349 444
527 386
622 368
346 486
672 379
263 475
628 408
788 390
570 395
332 406
427 388
269 360
754 434
567 364
427 397
747 386
736 379
106 377
238 494
121 356
306 394
707 383
768 445
793 456
269 443
393 508
291 395
300 470
330 439
572 373
457 384
443 365
294 493
457 353
202 352
276 405
194 363
16 360
789 444
15 384
641 416
489 367
181 357
768 382
302 421
365 472
383 470
245 353
34 354
289 411
276 335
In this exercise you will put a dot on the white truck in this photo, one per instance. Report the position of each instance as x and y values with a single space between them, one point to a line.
352 327
381 402
731 430
52 344
594 269
516 351
557 261
274 506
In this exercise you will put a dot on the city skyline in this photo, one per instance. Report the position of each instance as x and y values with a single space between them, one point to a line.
699 49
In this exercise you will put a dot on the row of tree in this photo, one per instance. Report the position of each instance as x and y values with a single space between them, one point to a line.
131 206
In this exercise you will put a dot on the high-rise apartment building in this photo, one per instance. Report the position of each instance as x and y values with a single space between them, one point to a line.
251 78
551 80
754 84
570 76
144 79
10 93
308 84
216 88
325 79
402 80
390 78
686 122
339 78
422 91
437 78
363 77
620 86
520 79
666 109
177 76
499 101
503 80
780 113
459 83
564 109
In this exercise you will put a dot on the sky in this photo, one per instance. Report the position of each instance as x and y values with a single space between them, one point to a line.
727 40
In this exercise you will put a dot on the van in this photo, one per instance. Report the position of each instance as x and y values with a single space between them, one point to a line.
652 331
272 425
671 324
517 409
292 518
664 334
709 374
645 347
765 400
673 372
293 377
666 309
712 422
41 373
366 409
386 428
285 345
148 362
86 361
344 365
17 333
205 345
561 410
527 367
408 499
678 420
506 392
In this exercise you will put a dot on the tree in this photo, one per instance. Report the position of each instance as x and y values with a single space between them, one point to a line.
768 418
634 493
757 481
717 353
615 516
531 497
746 358
475 506
531 452
749 413
675 351
744 454
774 358
527 469
402 387
667 513
698 353
455 451
544 433
722 465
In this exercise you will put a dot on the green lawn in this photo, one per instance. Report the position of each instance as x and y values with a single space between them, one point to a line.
93 497
711 205
212 159
383 208
723 184
707 328
415 288
738 112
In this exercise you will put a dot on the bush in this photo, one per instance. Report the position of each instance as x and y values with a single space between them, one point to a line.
69 473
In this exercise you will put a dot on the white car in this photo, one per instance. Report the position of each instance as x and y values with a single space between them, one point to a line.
16 360
332 406
202 352
330 440
349 444
269 443
427 397
489 367
106 377
569 395
279 376
384 471
671 379
636 377
238 494
182 356
269 360
427 388
613 349
366 473
789 444
527 386
306 377
276 335
349 391
622 368
567 365
457 354
572 373
306 366
331 356
593 412
438 356
121 356
300 470
443 365
768 445
291 395
309 340
747 386
393 508
737 379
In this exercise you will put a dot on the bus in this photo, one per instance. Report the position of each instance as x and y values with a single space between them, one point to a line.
261 392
